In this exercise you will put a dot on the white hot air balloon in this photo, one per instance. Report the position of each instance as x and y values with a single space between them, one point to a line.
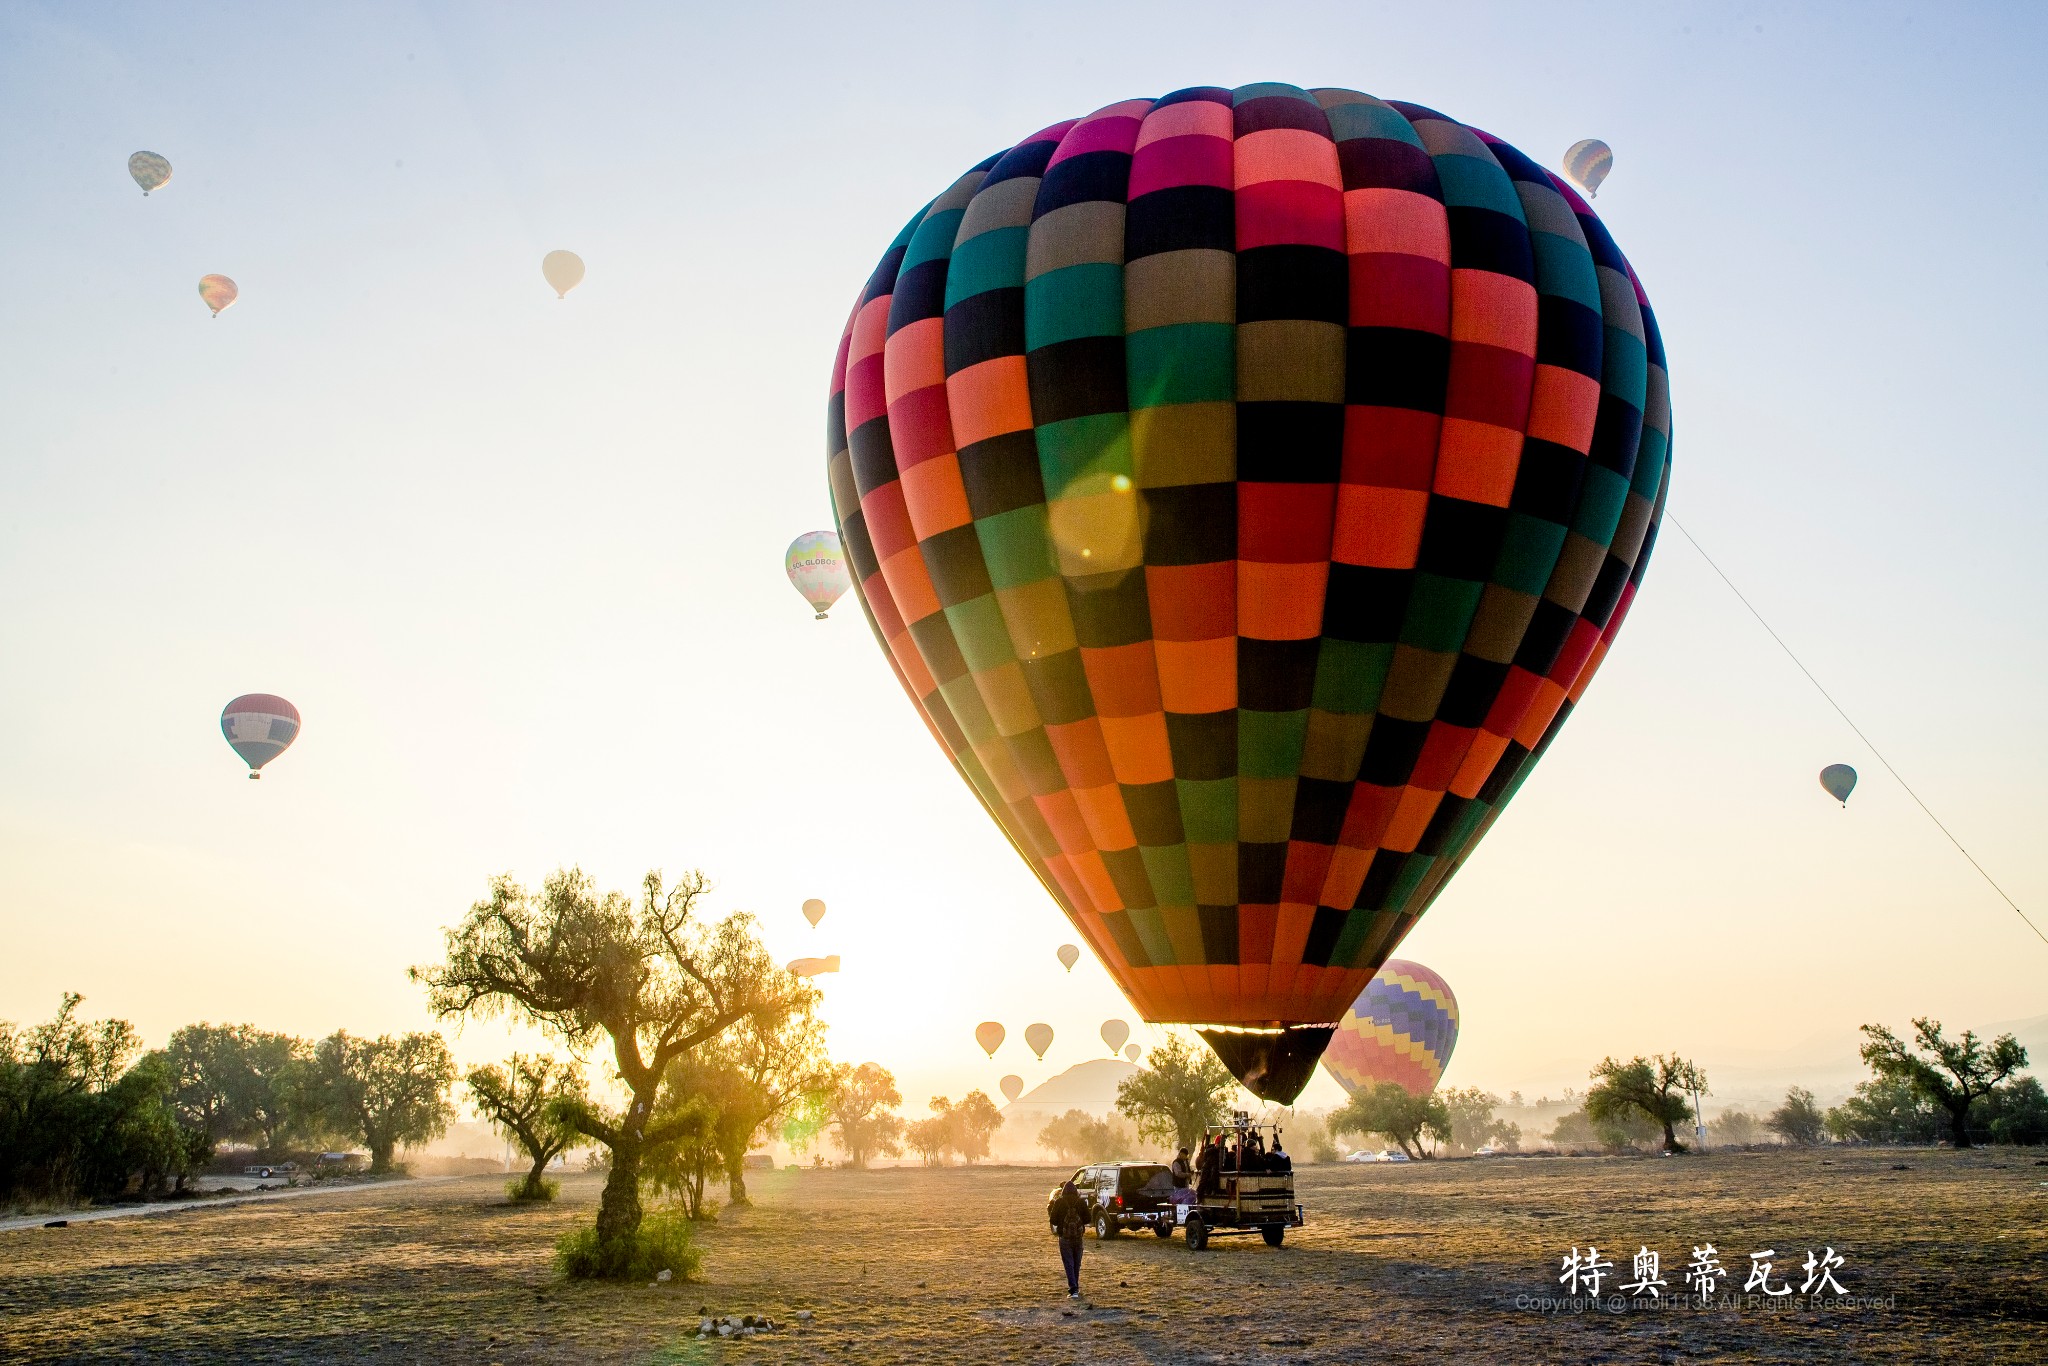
563 270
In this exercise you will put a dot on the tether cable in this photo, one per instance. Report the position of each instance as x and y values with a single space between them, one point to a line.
1879 754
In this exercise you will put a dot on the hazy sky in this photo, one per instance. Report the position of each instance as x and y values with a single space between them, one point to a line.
518 561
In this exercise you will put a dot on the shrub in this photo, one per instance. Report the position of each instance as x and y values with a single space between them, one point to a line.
661 1243
517 1190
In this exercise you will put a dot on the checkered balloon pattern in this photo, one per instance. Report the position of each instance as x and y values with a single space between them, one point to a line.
1401 1028
1245 485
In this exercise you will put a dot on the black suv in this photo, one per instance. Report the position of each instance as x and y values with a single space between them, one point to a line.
1123 1195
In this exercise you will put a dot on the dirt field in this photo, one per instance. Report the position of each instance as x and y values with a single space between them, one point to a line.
1423 1262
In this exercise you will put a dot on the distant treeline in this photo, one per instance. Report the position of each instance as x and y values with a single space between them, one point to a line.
87 1114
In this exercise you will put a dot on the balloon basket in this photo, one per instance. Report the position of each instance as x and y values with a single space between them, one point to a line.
253 777
819 617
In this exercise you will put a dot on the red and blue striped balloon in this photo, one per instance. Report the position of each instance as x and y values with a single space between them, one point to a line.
259 727
1401 1029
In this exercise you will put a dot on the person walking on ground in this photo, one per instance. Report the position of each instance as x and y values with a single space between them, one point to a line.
1069 1217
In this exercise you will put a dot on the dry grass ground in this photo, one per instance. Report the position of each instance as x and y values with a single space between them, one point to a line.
1423 1262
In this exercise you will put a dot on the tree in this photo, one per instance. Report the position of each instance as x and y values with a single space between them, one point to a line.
1617 1133
1654 1087
2014 1113
51 1076
1736 1129
236 1081
1951 1075
1177 1094
1077 1137
1798 1120
860 1109
384 1092
755 1074
1473 1125
1388 1109
928 1139
581 964
527 1101
1885 1110
1306 1136
967 1125
689 1153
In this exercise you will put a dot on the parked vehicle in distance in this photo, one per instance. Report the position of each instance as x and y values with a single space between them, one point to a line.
1123 1195
759 1162
268 1169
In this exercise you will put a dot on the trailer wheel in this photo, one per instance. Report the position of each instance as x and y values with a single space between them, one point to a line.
1273 1234
1163 1229
1198 1235
1105 1227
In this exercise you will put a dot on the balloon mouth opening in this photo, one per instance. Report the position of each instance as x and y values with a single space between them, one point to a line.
1272 1063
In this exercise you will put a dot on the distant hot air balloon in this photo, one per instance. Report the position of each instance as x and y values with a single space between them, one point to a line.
817 568
563 270
1114 1032
150 171
814 911
1038 1038
990 1036
811 967
1588 162
1839 780
1133 1052
1013 1087
1068 956
259 727
1401 1029
1245 522
218 291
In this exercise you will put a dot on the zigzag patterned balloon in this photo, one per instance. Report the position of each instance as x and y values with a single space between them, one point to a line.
1401 1029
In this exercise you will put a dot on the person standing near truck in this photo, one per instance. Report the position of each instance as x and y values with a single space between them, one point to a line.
1069 1217
1183 1171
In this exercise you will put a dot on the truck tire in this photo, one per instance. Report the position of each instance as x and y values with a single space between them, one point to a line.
1198 1235
1274 1234
1105 1227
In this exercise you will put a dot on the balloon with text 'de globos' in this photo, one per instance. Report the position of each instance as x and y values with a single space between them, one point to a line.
817 569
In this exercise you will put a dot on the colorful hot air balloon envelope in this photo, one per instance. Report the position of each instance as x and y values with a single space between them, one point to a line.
1038 1038
817 569
1132 1052
259 727
990 1036
1013 1087
814 911
1401 1029
563 270
218 291
1245 486
811 967
1588 161
1114 1032
149 170
1069 955
1839 780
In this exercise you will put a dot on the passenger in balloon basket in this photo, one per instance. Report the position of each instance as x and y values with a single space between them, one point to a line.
1209 1168
1069 1215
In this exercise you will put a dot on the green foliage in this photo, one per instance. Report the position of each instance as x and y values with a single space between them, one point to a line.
1656 1088
1078 1137
1388 1110
1473 1125
385 1092
1180 1090
2014 1113
1950 1074
860 1109
1885 1110
529 1101
1623 1132
1799 1119
1305 1136
240 1083
661 1242
963 1128
524 1189
688 1154
1735 1129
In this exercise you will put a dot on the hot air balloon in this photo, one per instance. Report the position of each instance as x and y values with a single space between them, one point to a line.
1839 780
1588 161
149 170
1013 1087
817 569
1114 1032
811 967
1038 1038
1402 1029
563 270
259 727
814 911
1241 562
989 1035
218 291
1069 955
1132 1052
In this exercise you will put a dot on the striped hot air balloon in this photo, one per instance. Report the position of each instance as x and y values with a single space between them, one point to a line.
259 727
1588 161
1245 486
1402 1029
